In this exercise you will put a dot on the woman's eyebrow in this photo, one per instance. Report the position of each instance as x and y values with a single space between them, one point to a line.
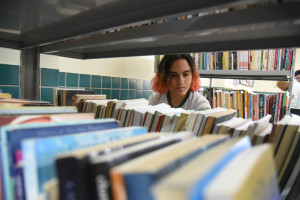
181 72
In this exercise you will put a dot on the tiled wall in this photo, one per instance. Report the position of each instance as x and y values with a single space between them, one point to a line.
113 87
9 79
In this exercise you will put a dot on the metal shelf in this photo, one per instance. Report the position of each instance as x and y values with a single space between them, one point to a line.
270 26
246 74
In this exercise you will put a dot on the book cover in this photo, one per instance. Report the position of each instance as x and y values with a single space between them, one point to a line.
190 181
11 137
41 153
133 179
250 175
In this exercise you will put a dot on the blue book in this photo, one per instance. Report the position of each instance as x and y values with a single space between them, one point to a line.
135 178
41 153
190 181
12 135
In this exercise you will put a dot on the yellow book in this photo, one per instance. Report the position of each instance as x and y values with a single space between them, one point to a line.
188 181
5 96
249 176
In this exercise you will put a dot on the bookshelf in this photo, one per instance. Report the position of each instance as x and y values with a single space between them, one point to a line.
93 31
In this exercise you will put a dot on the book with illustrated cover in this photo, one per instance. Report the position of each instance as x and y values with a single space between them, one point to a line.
190 180
41 152
12 136
133 179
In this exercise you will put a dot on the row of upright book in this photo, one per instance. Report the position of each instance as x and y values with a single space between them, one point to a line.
250 105
263 59
71 155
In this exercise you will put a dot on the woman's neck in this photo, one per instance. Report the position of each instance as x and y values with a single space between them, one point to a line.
176 100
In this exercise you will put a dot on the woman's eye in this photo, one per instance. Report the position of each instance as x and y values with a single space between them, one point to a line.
186 74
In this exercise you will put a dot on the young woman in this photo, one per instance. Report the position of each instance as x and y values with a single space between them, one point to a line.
176 83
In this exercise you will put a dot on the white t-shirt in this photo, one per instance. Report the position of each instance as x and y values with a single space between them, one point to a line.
295 102
195 101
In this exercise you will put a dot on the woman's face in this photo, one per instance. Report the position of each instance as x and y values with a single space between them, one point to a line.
180 77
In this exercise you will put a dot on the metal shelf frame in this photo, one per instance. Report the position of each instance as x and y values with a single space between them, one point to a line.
246 74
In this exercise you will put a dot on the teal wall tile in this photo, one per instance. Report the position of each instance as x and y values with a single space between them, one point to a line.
107 92
49 77
139 94
124 83
97 91
146 94
115 94
13 90
47 94
132 94
84 80
139 84
9 74
62 79
124 95
147 85
106 82
116 82
96 81
72 80
132 83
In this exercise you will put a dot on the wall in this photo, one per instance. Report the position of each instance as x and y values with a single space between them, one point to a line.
137 70
141 67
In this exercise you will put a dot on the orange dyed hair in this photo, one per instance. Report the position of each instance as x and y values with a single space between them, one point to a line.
162 77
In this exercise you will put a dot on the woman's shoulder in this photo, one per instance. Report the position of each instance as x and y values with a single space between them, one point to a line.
156 98
197 95
199 101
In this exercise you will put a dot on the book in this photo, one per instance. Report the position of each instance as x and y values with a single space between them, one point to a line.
77 98
250 175
5 96
71 167
31 110
182 184
291 189
286 141
217 118
12 136
290 161
42 169
100 166
133 179
67 95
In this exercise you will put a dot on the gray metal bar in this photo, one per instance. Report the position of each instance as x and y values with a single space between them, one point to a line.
272 26
30 74
121 13
30 58
10 44
246 74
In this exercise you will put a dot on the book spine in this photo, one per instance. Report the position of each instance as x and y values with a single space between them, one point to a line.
72 178
100 187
